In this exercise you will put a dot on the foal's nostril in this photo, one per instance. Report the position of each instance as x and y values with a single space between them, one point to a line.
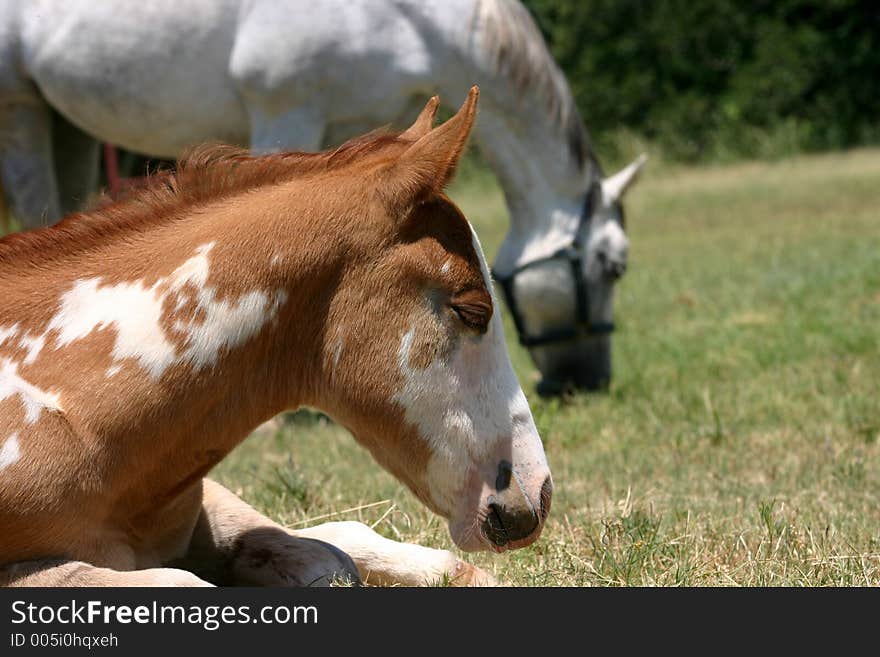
512 514
505 471
546 496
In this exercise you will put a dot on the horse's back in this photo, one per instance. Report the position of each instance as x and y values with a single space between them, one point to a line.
158 77
356 65
131 75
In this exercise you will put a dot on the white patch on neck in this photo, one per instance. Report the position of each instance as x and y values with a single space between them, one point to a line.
33 346
610 237
135 312
33 399
445 268
130 308
10 452
7 333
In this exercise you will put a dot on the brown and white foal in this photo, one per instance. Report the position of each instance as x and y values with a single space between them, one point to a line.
141 342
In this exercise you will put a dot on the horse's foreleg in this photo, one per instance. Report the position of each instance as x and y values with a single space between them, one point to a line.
26 165
236 545
385 562
78 573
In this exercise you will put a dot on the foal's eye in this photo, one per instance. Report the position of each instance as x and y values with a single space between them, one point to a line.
473 309
472 318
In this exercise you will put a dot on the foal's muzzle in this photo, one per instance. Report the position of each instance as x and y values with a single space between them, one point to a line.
515 519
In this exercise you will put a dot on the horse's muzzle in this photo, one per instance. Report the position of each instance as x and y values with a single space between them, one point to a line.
582 365
551 387
515 519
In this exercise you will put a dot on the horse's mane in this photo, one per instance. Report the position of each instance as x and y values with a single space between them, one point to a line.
206 174
517 51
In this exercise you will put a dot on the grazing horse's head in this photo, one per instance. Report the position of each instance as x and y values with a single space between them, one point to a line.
562 303
414 351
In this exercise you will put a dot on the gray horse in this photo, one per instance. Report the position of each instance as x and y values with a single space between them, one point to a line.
157 77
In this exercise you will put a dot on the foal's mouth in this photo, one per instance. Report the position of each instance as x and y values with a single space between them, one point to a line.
507 545
507 513
495 532
514 518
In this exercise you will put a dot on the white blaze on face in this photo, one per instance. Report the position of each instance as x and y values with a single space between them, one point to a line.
472 412
135 312
10 451
610 238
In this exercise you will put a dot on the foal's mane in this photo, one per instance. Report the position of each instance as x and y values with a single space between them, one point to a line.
206 174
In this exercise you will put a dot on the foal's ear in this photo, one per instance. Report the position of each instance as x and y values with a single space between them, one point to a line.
429 164
424 122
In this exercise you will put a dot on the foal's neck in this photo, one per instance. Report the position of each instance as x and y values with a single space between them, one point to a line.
242 287
272 271
239 290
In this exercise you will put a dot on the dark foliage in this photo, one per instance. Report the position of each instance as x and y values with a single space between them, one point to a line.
733 77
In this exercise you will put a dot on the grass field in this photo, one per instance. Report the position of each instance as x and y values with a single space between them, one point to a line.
738 444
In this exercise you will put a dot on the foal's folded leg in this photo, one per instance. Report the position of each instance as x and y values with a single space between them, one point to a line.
57 572
385 562
233 544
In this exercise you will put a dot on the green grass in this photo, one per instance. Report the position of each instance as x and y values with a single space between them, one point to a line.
738 444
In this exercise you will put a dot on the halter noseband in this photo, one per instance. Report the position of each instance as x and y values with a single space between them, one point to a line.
573 253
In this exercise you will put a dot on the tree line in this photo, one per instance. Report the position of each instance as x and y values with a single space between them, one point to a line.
722 79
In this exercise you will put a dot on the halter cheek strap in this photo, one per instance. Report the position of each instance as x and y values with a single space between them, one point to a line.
573 254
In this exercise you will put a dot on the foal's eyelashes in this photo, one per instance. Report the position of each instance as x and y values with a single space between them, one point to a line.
474 309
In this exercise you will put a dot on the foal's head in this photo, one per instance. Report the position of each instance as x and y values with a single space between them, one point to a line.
414 355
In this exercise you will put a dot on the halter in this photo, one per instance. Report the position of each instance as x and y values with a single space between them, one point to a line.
573 253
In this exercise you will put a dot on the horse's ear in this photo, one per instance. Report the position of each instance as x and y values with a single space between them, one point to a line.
429 164
614 187
424 122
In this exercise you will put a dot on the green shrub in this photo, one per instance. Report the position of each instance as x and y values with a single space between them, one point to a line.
723 79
